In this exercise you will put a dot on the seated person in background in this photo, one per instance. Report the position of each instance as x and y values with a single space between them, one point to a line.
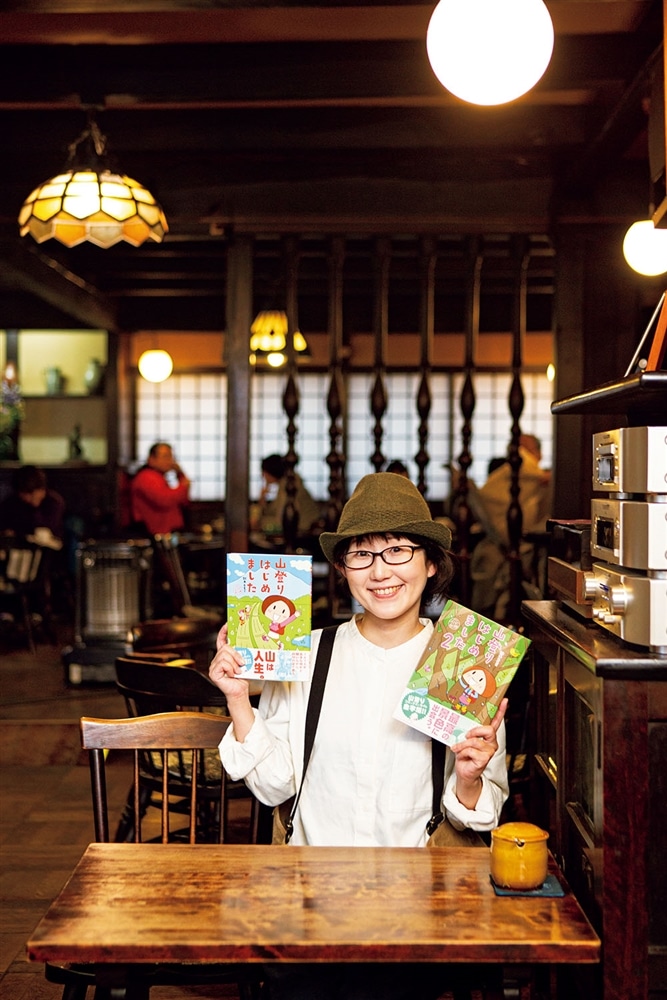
32 510
266 517
157 505
535 495
489 567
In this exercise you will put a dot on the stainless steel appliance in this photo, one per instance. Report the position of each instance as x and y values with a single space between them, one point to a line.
624 589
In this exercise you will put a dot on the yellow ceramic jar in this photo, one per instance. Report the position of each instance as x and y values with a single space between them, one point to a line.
519 855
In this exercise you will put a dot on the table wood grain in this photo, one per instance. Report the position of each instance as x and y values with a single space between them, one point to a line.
127 903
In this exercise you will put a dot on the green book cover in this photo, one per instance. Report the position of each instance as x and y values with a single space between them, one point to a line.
269 613
462 675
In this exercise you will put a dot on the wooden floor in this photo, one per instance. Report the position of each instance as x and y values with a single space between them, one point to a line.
45 813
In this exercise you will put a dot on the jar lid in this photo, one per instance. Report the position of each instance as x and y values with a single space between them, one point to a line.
524 832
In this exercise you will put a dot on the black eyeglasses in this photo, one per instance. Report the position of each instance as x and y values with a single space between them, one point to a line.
394 555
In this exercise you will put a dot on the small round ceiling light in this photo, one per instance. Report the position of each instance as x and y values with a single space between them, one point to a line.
645 248
489 52
155 365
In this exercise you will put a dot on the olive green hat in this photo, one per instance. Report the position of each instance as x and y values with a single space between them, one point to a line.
385 503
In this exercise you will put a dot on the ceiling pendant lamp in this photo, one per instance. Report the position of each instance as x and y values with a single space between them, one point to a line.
489 51
155 365
90 201
268 338
645 248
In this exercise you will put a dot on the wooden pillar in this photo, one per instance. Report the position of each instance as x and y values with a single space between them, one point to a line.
336 394
335 404
291 396
463 512
428 260
516 403
239 318
381 329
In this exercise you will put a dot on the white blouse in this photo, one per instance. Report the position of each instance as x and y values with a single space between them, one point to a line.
369 779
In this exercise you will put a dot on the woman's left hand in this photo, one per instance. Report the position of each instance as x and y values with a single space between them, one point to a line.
472 756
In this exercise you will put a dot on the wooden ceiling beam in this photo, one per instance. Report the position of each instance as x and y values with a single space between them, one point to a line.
31 270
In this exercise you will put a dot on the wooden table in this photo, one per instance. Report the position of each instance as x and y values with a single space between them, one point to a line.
127 903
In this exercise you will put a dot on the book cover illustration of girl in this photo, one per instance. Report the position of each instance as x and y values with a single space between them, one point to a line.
280 611
466 668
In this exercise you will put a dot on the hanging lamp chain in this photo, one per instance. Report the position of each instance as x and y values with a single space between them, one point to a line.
90 148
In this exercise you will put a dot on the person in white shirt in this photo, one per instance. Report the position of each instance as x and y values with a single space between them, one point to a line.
369 778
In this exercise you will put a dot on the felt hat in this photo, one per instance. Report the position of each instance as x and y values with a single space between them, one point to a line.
385 503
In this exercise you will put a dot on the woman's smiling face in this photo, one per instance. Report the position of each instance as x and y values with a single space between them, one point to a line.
384 591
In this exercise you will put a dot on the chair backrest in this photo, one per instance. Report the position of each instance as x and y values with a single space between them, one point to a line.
19 562
163 733
150 687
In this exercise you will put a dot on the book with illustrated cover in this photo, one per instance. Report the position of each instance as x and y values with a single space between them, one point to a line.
462 675
269 613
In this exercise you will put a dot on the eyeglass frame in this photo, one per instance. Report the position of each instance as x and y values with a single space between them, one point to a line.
373 555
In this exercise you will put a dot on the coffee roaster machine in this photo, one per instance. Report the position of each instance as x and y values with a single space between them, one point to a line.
612 568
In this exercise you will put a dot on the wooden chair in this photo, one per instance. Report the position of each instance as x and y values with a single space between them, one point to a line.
22 589
162 734
192 638
150 687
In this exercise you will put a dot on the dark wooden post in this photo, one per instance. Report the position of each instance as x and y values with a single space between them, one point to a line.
291 396
428 260
336 394
516 402
382 263
239 318
335 402
463 513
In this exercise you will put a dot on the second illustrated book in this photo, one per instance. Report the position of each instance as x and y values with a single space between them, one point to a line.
462 675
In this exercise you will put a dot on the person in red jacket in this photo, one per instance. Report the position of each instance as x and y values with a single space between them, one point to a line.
157 505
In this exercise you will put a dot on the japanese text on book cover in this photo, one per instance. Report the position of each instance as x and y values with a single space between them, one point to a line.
462 675
269 602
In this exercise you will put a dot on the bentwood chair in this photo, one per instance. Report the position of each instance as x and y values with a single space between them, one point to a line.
188 733
149 687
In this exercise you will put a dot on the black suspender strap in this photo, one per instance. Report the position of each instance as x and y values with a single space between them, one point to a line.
320 671
438 751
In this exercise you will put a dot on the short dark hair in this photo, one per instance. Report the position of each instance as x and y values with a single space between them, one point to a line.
398 467
154 448
274 465
29 478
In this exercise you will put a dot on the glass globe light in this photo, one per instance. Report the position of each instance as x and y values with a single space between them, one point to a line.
489 51
155 366
645 248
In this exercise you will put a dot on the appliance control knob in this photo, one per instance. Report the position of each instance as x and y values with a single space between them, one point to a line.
591 586
618 600
610 619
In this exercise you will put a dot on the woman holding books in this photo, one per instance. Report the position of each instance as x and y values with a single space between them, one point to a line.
369 778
